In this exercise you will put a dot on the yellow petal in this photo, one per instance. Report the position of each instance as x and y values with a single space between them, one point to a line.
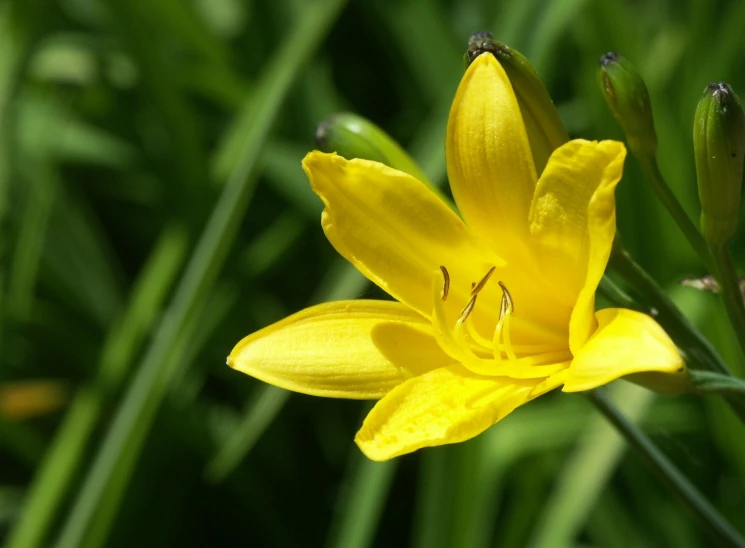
625 342
489 161
572 217
447 405
394 229
344 349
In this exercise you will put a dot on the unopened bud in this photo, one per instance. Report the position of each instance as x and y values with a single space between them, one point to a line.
353 136
719 146
628 99
545 130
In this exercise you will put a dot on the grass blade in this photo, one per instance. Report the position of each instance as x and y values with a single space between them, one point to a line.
63 457
30 243
361 503
147 390
587 473
261 412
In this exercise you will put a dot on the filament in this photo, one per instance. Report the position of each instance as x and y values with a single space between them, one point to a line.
462 342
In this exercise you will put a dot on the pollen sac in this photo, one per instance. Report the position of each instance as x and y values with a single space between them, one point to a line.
545 130
508 306
719 147
627 97
445 283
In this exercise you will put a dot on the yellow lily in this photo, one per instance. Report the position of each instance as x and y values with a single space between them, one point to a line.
493 310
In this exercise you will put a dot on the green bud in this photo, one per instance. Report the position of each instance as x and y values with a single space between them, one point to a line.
353 136
542 122
627 96
719 146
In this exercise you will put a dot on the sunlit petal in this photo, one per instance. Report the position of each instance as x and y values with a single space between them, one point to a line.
489 161
345 349
394 229
560 212
625 342
446 405
572 217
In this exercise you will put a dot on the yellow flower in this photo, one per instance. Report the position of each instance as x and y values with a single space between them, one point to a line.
492 312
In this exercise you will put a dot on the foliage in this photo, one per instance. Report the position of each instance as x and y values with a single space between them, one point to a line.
153 211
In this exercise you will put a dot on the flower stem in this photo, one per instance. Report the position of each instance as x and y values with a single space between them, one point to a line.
617 296
730 291
651 170
670 475
708 381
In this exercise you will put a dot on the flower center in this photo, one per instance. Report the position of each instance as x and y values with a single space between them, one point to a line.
495 357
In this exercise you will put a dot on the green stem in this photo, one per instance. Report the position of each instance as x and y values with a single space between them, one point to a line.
699 353
707 381
730 291
651 170
617 296
670 475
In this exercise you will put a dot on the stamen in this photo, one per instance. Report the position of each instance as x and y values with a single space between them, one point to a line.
501 339
462 342
506 337
477 337
446 283
482 366
479 286
508 306
443 333
467 310
451 340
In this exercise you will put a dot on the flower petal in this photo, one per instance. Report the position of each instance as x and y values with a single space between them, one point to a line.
446 405
573 222
394 229
344 349
489 161
625 342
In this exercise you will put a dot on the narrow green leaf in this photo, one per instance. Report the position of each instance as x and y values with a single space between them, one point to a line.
32 233
63 457
269 246
151 382
262 410
586 473
79 262
361 503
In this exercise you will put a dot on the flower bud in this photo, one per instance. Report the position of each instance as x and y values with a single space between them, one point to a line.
353 136
719 146
627 96
545 130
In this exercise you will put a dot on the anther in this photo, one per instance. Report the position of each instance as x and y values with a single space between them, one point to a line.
507 305
446 282
467 310
479 286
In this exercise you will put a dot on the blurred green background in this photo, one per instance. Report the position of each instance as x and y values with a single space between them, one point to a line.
153 212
